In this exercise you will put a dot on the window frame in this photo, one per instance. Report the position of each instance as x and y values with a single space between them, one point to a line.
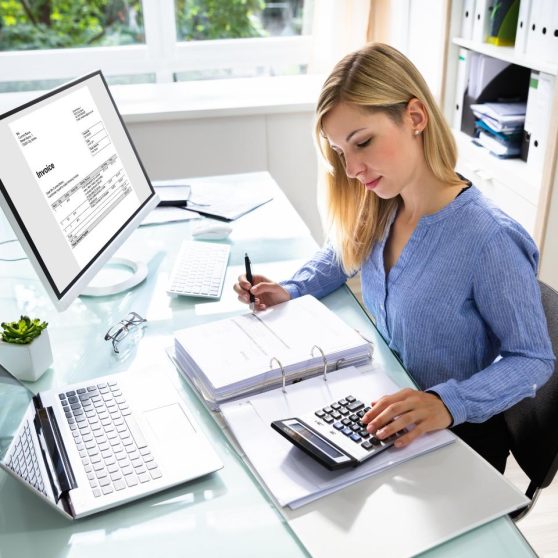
161 54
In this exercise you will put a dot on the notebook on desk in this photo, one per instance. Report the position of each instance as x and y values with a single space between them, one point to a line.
92 446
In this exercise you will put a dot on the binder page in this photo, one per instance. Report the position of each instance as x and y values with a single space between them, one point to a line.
231 351
293 477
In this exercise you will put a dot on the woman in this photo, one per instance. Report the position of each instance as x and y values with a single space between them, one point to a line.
449 278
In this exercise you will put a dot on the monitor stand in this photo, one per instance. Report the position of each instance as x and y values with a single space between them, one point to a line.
116 276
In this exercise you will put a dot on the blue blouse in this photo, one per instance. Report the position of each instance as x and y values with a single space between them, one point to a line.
461 307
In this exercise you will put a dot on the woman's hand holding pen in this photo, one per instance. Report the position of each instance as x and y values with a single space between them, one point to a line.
267 292
407 407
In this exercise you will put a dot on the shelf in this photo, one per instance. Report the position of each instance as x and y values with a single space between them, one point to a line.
515 173
508 54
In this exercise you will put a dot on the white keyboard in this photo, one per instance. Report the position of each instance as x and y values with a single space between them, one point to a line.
199 269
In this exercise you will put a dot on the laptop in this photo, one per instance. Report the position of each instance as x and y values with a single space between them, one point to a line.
89 447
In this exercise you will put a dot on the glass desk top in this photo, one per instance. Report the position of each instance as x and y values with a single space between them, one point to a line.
226 513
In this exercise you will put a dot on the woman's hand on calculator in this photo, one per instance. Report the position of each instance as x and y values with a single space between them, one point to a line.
392 413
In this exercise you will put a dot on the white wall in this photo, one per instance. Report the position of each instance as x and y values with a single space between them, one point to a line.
280 143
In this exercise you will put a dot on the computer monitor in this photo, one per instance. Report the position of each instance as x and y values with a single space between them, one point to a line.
71 183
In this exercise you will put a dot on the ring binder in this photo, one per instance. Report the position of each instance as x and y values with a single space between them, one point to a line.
323 358
247 342
282 371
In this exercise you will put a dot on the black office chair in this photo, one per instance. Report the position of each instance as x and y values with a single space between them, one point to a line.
533 422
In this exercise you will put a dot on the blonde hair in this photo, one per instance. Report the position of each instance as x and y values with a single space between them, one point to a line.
378 78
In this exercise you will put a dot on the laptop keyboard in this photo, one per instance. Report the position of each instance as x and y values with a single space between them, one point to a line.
111 446
200 269
23 460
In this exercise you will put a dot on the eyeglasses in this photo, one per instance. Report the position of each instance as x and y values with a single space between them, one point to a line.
133 322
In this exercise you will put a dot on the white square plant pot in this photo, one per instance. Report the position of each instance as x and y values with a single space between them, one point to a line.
27 362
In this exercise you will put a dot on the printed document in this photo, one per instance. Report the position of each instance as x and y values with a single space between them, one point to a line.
292 477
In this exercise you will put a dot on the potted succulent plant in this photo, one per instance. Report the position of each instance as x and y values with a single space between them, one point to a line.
25 348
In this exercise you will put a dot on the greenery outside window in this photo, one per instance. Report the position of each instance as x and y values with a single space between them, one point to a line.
42 41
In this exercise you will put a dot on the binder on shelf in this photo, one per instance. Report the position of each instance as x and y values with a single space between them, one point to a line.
538 30
552 36
503 23
467 17
461 86
250 353
522 25
481 22
535 135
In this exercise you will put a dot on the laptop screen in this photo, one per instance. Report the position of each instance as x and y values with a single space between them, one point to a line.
14 402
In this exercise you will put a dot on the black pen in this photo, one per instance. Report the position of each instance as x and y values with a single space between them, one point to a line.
249 278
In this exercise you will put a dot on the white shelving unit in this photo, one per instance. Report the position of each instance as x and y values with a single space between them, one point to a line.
521 189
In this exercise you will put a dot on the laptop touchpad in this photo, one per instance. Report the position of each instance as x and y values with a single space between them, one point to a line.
168 424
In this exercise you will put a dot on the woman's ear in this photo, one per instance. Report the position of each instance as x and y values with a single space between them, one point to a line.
418 117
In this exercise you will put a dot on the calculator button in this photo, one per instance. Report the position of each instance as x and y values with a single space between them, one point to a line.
355 437
355 427
336 415
328 410
364 433
319 414
354 418
375 441
343 402
343 411
335 406
339 426
350 398
328 419
355 406
346 421
347 431
367 445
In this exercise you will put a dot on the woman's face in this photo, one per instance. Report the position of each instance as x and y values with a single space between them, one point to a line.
382 154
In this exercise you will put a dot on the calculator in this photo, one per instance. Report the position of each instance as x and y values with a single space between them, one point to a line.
334 435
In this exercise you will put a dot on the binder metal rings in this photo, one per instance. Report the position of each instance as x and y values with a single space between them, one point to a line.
282 371
323 358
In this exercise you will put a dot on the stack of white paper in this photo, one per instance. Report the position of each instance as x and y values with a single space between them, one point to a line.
249 353
291 476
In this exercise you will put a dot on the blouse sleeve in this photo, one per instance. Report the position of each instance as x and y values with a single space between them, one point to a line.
318 277
507 295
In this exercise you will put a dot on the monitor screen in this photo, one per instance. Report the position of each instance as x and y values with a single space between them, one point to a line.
71 183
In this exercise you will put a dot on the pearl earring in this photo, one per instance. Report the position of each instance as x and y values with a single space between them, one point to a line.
417 132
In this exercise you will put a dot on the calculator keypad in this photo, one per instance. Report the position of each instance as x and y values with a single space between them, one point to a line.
345 416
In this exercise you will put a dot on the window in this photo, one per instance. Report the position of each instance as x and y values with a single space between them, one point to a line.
43 42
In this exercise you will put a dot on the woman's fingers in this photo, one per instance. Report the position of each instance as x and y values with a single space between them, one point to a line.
409 411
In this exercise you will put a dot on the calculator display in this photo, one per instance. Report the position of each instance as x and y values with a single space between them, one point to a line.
301 431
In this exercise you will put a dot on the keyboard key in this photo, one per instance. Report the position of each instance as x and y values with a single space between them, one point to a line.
155 474
131 480
119 484
144 477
